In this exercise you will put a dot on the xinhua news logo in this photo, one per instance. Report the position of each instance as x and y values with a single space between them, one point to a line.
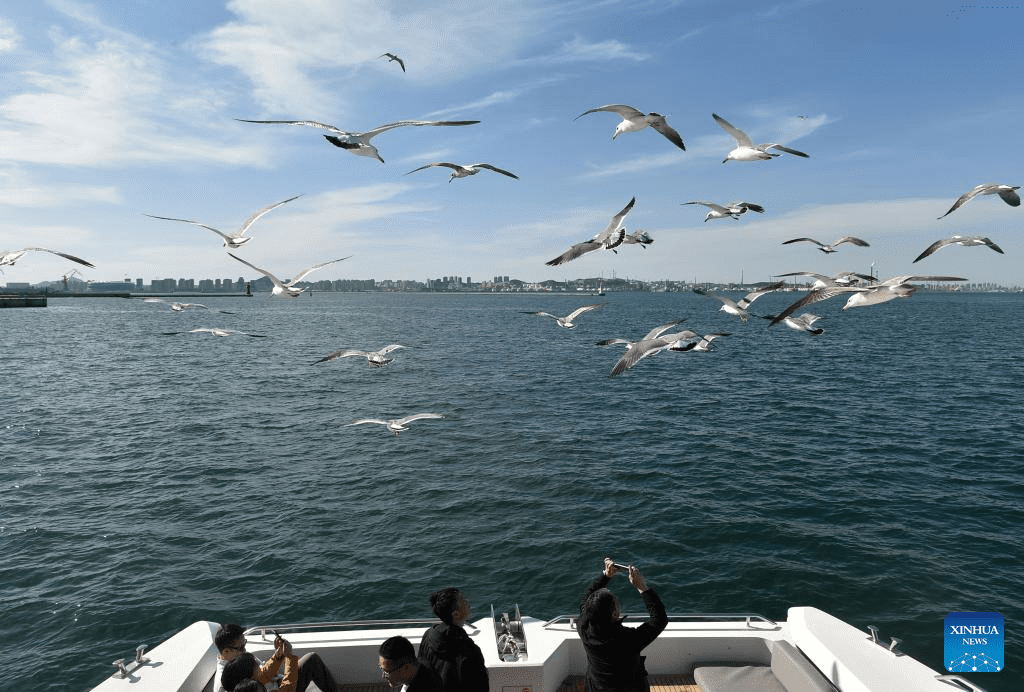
974 642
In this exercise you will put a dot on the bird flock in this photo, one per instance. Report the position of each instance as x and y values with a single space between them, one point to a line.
862 290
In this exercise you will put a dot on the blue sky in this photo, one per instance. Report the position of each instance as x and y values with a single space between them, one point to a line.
112 110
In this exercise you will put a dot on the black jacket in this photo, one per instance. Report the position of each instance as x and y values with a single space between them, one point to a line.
460 663
614 663
425 680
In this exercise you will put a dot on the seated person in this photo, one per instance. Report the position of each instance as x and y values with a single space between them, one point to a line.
245 672
400 668
447 648
230 643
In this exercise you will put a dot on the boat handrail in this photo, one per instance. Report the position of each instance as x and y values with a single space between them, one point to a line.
746 619
268 630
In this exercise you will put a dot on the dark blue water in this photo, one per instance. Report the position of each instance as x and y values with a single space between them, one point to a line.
148 481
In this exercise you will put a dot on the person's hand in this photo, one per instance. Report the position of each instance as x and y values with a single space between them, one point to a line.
283 646
609 567
637 579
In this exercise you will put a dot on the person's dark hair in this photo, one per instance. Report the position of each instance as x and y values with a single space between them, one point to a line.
227 634
398 650
597 613
445 602
238 669
250 686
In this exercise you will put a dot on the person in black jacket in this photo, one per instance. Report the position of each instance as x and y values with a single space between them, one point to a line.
447 648
398 665
614 663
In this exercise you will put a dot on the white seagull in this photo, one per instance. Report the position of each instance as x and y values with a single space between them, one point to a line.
966 241
359 142
396 425
238 238
217 331
731 210
702 345
883 292
830 248
739 308
653 343
393 58
176 306
634 121
288 289
9 257
466 170
802 323
610 238
569 321
840 279
375 359
746 150
1007 192
638 237
653 334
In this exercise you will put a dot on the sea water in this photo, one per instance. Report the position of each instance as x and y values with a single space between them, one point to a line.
149 480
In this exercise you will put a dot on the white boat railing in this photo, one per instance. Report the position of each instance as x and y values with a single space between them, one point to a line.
266 631
747 620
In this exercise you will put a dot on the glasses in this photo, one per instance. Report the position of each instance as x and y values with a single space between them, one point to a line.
386 674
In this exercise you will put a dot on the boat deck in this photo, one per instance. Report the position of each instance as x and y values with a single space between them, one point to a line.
573 683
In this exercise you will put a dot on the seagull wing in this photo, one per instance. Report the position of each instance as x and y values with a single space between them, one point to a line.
750 206
64 255
343 353
637 352
495 169
542 314
797 240
794 152
757 293
453 166
659 330
851 239
661 125
252 219
907 278
616 222
418 416
710 205
277 281
739 135
626 112
306 272
577 250
389 348
816 296
579 311
1010 196
360 421
306 123
403 123
223 235
935 247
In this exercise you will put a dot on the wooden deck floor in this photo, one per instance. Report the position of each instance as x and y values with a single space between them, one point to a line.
573 683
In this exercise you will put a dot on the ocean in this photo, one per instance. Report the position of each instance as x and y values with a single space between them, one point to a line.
150 480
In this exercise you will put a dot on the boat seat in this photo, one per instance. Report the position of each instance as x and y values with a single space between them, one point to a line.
790 671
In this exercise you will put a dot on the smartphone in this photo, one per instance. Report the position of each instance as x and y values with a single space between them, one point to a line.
624 568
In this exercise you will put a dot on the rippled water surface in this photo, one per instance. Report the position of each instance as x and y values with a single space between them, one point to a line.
150 480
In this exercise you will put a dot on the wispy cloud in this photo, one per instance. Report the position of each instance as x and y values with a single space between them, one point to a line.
18 191
8 37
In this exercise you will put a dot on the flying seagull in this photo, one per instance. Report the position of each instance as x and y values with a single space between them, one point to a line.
393 58
840 279
375 359
466 170
238 238
731 210
653 334
9 257
739 308
966 241
746 150
288 289
176 306
1007 192
882 292
610 238
653 343
396 425
638 237
634 121
359 142
217 331
831 247
569 320
802 323
702 345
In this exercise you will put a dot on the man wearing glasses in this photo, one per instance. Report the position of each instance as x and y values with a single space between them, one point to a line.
398 665
230 643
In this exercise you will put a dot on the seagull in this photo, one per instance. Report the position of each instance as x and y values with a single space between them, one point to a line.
217 331
466 170
966 241
702 346
1007 192
396 425
375 359
359 142
288 289
653 334
895 287
830 248
739 308
732 210
569 320
801 323
238 238
393 58
610 238
9 257
746 150
175 306
840 279
638 237
634 121
653 343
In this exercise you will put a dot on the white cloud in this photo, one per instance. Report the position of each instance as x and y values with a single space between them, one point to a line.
8 37
18 191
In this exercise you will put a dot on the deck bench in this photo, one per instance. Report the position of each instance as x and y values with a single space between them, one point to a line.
790 671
